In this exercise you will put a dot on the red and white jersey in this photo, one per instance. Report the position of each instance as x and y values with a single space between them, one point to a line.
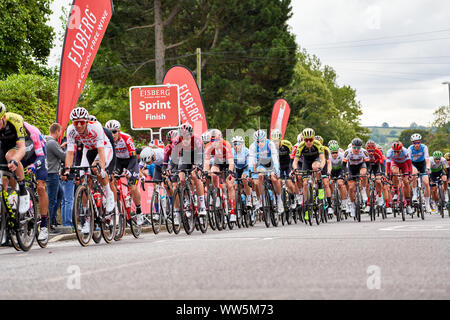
93 138
125 146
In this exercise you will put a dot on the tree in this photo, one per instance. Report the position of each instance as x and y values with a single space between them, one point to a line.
32 96
25 39
441 127
413 125
405 136
385 125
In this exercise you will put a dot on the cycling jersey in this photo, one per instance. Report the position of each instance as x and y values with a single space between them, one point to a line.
284 152
125 146
265 156
400 158
376 156
35 156
312 154
354 159
436 167
93 138
241 159
159 158
190 154
13 131
220 154
337 164
418 155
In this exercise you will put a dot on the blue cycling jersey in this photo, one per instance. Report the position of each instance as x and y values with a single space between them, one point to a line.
418 155
241 159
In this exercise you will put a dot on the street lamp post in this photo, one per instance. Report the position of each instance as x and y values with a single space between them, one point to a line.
448 83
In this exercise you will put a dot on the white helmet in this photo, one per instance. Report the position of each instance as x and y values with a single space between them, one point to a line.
299 138
205 137
147 154
2 109
275 135
416 137
112 125
237 139
259 135
79 113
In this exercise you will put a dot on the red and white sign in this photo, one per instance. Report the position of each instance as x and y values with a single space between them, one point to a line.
154 107
280 116
191 103
85 30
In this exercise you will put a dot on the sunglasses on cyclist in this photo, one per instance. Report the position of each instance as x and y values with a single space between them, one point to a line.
396 151
114 131
416 142
309 140
357 148
237 143
334 152
77 123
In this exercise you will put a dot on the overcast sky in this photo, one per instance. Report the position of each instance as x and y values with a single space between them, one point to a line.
396 54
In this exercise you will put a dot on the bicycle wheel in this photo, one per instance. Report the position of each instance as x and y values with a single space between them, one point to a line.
266 207
372 204
167 206
441 202
41 243
83 216
218 212
121 221
26 231
2 222
211 208
402 205
285 200
108 224
187 210
155 212
337 205
240 215
358 204
290 212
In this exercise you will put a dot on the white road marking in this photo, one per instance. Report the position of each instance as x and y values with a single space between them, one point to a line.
418 228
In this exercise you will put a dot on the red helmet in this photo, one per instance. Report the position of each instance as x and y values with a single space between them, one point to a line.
397 146
370 145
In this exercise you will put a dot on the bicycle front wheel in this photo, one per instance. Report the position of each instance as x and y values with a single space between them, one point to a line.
121 221
83 216
156 212
187 211
108 224
26 233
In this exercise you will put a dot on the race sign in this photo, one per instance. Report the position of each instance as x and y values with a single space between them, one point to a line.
154 107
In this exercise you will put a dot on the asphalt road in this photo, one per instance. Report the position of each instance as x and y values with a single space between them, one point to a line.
348 260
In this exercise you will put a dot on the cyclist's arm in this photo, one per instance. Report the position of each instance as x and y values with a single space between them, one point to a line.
69 159
21 150
101 158
322 160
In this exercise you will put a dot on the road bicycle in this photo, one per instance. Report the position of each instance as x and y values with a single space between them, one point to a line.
399 204
20 228
244 212
418 204
310 197
124 206
441 199
31 183
269 201
358 197
337 201
89 209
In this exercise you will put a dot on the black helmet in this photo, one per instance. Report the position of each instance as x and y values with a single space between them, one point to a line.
357 142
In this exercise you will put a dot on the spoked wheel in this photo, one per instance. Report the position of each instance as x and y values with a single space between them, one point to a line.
211 208
107 225
26 231
358 205
285 200
187 211
83 216
121 221
156 213
168 205
402 205
266 207
41 243
441 203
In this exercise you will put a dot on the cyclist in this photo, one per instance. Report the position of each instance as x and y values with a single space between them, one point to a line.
13 136
205 138
263 155
298 184
156 143
97 149
399 161
439 167
421 164
188 151
325 172
337 171
127 162
36 161
284 151
241 156
356 159
376 168
313 156
220 149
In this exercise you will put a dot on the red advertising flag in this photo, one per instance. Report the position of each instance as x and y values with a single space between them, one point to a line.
280 116
86 27
191 103
154 107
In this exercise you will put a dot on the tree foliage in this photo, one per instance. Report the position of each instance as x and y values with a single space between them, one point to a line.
25 39
31 96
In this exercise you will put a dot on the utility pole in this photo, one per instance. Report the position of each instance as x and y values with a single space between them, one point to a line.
448 83
199 69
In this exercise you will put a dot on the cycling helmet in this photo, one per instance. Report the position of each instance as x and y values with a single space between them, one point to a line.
397 146
215 134
308 133
259 135
437 155
186 129
92 118
79 114
299 138
275 135
357 142
157 143
319 138
112 125
238 139
2 109
447 156
379 147
370 145
416 137
205 137
147 154
332 142
334 148
172 135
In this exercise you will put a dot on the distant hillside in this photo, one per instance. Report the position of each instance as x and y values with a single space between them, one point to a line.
385 136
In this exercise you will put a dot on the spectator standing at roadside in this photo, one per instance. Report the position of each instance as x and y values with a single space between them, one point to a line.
55 155
68 188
